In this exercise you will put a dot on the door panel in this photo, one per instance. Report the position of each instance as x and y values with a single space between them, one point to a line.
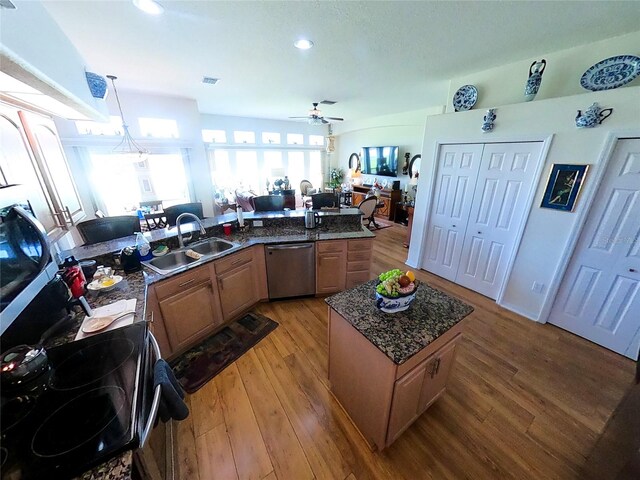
499 205
599 298
457 172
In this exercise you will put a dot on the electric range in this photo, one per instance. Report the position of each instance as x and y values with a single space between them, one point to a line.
91 405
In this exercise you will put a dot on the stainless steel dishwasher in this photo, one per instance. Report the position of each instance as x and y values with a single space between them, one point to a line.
291 270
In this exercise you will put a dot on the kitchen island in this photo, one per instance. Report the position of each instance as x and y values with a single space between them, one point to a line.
387 369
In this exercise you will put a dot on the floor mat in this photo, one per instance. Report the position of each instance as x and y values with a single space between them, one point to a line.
200 364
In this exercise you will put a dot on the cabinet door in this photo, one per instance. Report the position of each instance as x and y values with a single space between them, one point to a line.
330 272
437 372
405 407
237 290
384 209
189 315
357 198
17 165
43 138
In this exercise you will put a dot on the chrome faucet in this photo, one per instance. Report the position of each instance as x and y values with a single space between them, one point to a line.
179 219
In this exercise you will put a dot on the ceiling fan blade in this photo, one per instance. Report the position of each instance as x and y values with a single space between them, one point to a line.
300 117
335 118
323 120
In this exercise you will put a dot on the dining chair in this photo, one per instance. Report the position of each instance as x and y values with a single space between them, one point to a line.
306 190
268 203
108 228
173 212
325 200
368 209
244 199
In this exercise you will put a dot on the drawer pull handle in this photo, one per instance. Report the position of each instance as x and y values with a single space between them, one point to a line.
237 261
187 282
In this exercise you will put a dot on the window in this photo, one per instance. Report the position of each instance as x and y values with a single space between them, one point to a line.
295 170
315 169
113 127
214 136
295 139
271 138
247 173
221 170
158 127
121 185
244 137
316 140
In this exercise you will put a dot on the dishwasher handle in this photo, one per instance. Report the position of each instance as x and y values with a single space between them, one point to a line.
297 246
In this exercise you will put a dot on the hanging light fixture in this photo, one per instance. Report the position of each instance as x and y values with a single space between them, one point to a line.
128 145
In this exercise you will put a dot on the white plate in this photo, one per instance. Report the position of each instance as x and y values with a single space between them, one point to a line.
465 98
96 287
612 72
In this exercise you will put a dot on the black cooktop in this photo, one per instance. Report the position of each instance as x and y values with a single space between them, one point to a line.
87 409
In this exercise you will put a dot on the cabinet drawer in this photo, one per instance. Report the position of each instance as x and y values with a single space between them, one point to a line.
356 278
182 282
359 245
358 266
363 255
233 261
337 246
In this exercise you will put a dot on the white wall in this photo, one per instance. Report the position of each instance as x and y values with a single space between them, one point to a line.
547 231
504 85
405 130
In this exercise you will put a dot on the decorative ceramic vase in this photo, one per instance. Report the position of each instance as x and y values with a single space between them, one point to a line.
535 79
592 116
97 85
489 118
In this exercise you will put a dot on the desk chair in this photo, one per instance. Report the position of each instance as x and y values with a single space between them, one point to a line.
368 209
172 213
268 203
108 228
325 200
306 190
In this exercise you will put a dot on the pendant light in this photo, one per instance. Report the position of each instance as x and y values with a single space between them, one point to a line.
128 146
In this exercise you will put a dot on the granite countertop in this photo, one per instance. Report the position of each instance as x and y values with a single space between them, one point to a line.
400 335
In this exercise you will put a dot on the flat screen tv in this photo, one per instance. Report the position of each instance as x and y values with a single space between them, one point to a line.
381 161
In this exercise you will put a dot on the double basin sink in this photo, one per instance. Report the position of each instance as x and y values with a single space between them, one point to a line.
177 259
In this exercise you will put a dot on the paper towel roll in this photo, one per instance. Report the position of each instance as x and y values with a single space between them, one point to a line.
239 215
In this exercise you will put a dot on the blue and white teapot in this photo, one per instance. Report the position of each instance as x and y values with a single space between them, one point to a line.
592 116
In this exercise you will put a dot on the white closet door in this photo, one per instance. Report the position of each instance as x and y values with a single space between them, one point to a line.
457 171
499 205
600 295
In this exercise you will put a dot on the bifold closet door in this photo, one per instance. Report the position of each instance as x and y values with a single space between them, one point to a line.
599 298
457 172
498 207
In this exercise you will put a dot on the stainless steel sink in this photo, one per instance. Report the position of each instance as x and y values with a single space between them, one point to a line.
172 261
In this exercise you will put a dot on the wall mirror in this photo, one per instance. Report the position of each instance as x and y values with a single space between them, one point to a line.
414 166
354 162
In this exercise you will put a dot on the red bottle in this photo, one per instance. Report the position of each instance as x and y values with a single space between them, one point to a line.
73 277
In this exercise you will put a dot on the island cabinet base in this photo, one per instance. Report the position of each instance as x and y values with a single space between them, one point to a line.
382 398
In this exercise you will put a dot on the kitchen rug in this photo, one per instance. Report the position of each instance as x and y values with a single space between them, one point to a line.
197 366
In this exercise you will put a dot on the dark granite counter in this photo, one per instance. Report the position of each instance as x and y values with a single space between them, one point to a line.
400 335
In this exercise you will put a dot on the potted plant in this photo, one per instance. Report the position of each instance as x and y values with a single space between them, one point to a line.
336 175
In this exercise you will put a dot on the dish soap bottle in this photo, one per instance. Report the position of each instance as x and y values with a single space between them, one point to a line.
143 247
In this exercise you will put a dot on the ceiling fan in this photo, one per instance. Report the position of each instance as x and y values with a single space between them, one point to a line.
315 116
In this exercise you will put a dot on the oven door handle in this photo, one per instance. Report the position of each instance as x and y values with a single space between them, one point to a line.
156 395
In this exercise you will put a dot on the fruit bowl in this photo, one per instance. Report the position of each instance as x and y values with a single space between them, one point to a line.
393 296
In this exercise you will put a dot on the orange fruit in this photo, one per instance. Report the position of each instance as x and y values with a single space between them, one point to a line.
411 275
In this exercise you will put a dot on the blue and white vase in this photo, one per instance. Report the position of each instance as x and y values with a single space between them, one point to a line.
489 118
97 85
535 79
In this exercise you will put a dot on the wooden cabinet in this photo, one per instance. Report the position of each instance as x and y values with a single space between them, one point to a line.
387 200
418 389
384 404
189 315
357 197
235 276
359 254
331 257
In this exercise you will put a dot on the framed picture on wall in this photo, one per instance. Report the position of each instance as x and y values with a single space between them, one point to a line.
563 186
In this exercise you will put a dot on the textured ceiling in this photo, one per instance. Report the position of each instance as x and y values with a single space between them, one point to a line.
372 57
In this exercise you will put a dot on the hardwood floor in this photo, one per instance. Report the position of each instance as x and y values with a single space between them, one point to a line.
524 401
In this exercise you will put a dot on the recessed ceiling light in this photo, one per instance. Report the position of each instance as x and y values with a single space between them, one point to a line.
303 44
149 6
